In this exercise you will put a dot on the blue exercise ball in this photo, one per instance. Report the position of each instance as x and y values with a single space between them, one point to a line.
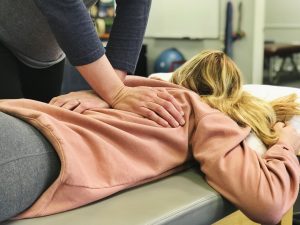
169 60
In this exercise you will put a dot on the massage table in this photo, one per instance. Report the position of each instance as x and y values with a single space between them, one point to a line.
180 199
183 198
273 51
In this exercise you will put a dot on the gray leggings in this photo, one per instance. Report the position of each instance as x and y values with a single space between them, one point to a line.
28 165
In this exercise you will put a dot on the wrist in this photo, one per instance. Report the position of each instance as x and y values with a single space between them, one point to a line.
117 95
103 79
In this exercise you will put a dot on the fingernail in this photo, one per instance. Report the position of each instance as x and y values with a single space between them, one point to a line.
182 113
182 122
176 124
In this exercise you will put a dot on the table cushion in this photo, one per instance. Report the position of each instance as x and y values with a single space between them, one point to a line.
280 49
182 198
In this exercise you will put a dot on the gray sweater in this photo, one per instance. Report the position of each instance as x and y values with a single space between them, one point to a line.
39 32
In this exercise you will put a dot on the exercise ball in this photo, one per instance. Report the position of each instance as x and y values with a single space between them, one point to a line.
169 60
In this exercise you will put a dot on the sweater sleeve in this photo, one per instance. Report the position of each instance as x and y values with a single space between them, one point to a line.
127 33
73 28
263 188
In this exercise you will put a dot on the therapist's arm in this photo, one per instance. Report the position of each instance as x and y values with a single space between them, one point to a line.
127 34
144 101
74 31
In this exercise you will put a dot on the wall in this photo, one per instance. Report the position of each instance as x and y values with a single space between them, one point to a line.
190 16
282 21
248 52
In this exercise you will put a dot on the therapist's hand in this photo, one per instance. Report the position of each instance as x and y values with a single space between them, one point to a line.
153 104
79 101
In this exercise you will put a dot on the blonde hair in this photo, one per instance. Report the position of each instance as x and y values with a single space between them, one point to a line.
217 79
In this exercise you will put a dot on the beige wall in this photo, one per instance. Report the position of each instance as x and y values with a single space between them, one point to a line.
248 52
282 22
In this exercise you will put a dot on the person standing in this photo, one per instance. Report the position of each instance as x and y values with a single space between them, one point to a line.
36 35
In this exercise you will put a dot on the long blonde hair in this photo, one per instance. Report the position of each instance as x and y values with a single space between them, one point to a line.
218 80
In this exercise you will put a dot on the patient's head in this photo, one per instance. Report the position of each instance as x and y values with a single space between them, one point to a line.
218 81
210 73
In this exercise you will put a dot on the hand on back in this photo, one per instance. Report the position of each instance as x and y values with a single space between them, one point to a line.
79 101
153 104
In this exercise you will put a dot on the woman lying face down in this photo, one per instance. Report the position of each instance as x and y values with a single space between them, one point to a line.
102 151
217 79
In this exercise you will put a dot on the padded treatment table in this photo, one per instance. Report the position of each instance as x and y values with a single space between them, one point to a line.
273 51
180 199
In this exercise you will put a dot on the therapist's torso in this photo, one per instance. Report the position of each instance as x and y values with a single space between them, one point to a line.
25 31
